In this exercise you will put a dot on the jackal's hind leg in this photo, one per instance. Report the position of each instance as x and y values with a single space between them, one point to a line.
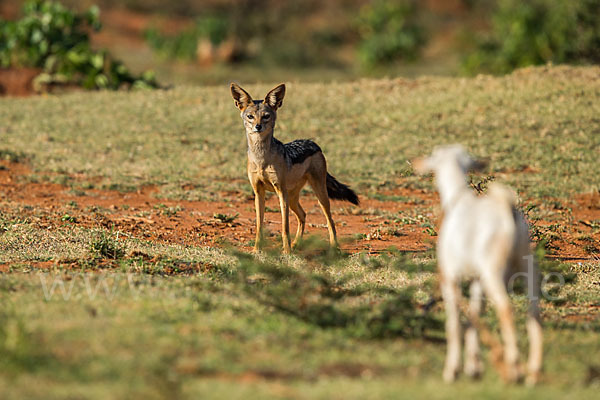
319 186
295 206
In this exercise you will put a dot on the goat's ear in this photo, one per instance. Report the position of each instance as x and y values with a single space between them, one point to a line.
421 165
241 98
274 98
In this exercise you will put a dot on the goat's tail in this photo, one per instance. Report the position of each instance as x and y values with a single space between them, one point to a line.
338 191
502 193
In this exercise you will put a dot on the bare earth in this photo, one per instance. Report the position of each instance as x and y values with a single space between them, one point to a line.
372 227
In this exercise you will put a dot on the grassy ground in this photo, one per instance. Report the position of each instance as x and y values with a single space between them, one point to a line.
294 328
153 319
541 119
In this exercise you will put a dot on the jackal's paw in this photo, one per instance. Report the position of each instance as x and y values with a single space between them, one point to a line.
257 251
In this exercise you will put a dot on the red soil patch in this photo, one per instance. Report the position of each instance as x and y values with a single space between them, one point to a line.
17 81
142 215
578 235
9 10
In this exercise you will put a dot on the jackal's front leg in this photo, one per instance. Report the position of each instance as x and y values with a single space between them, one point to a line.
284 205
259 205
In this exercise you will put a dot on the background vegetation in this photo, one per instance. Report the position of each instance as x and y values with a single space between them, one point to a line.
310 40
92 312
543 120
55 39
389 31
538 32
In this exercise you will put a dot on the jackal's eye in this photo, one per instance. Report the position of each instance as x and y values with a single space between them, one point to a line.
266 117
250 117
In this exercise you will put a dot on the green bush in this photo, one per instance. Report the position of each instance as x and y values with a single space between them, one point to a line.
56 40
184 45
389 31
537 32
262 33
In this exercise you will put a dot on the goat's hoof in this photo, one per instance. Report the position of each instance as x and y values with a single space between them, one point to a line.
513 375
450 374
532 379
474 370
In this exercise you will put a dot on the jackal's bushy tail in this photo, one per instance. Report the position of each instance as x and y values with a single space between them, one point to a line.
338 191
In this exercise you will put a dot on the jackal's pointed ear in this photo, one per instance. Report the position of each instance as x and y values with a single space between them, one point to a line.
240 96
274 98
422 166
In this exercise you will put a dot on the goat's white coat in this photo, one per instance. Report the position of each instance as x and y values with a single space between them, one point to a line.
484 239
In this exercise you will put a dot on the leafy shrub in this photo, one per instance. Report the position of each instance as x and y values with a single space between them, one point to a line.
56 40
184 45
536 32
260 32
389 31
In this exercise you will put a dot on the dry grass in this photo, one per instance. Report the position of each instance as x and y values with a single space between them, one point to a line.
188 322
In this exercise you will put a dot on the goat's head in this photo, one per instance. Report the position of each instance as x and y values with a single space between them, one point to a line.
447 156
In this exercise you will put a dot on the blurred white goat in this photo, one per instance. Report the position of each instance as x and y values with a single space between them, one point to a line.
484 239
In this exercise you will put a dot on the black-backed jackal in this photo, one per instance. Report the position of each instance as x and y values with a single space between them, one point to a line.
284 168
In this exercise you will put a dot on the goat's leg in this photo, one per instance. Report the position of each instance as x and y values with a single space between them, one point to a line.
534 332
473 364
496 291
453 337
534 326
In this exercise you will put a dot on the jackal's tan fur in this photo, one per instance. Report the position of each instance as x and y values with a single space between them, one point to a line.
284 168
